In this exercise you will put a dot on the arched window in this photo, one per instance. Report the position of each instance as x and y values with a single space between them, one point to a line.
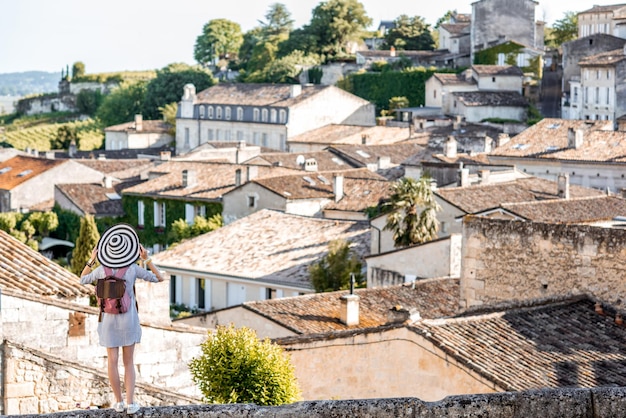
282 115
273 115
201 109
210 112
218 112
227 113
240 113
264 115
255 115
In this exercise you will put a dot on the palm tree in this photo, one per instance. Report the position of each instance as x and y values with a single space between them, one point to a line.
413 208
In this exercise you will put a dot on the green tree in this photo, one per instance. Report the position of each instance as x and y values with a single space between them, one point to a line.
219 38
167 87
123 103
65 136
87 240
69 224
413 217
564 30
335 22
334 270
169 116
277 22
288 68
181 230
88 101
398 103
236 367
43 222
410 33
78 70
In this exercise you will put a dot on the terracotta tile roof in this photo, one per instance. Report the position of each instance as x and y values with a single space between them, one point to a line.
95 199
19 169
267 245
456 28
453 79
549 139
313 185
126 153
212 179
603 8
351 134
360 194
490 98
608 58
477 198
584 209
24 270
320 312
254 94
497 70
362 155
121 169
147 126
408 53
561 344
326 160
479 159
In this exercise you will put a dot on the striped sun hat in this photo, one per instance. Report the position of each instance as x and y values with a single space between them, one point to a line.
118 246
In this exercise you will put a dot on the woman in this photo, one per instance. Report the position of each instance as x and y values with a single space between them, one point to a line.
119 248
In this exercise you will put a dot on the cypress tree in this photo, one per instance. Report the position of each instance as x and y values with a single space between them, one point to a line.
87 240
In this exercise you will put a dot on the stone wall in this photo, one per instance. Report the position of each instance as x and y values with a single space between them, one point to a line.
505 261
38 383
571 403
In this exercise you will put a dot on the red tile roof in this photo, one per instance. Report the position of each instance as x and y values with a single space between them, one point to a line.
19 169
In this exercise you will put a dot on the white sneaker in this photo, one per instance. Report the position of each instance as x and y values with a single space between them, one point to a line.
119 406
132 408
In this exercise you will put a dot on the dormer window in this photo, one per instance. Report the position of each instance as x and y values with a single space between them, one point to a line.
273 115
255 115
210 112
227 113
282 116
201 110
239 113
218 112
264 115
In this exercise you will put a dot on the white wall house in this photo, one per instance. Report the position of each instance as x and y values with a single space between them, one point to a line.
263 114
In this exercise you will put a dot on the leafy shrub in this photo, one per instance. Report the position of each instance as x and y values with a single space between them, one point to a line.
236 367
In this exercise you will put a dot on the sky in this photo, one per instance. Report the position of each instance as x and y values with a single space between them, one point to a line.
133 35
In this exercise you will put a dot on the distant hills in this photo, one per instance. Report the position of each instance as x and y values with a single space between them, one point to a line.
29 82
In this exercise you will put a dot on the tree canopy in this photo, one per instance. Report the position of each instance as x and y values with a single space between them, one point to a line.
335 22
87 240
334 270
122 104
219 38
413 218
168 86
410 33
236 367
277 22
564 30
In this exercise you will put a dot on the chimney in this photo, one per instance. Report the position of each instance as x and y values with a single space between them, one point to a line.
575 138
166 155
364 139
488 144
186 106
241 144
350 309
400 314
338 187
484 176
189 178
50 155
310 164
384 162
296 90
563 186
450 147
457 122
238 177
503 138
252 172
138 123
107 182
465 181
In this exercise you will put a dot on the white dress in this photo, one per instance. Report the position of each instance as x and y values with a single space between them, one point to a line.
120 330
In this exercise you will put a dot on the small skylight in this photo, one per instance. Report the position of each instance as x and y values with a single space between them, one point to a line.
309 180
113 196
552 148
362 153
24 173
5 169
520 146
287 193
323 179
554 125
337 161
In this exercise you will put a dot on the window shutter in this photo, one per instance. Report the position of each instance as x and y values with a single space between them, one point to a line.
156 214
189 213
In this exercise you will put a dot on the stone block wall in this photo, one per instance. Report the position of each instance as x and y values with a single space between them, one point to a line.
571 403
515 261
